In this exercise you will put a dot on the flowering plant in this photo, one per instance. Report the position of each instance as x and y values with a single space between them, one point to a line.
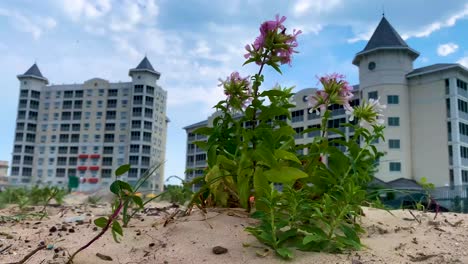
251 150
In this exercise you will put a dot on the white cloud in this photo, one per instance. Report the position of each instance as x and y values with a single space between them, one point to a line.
447 49
437 25
463 61
77 9
29 24
302 7
124 46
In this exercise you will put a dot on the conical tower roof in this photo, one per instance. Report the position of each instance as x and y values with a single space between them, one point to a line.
145 66
385 37
33 72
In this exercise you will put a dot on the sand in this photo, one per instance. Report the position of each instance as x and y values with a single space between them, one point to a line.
390 238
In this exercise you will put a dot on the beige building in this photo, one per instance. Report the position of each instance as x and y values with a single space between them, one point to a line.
426 117
90 129
3 173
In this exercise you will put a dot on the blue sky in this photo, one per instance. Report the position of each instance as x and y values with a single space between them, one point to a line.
195 42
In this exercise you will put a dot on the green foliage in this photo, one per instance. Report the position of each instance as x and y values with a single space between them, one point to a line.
94 199
251 151
176 194
127 202
24 197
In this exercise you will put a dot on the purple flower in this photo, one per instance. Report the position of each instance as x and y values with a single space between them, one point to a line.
279 47
238 91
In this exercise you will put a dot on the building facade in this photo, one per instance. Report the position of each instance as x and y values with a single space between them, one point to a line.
3 173
90 129
426 116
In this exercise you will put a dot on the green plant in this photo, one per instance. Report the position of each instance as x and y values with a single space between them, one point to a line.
251 149
125 195
94 199
176 194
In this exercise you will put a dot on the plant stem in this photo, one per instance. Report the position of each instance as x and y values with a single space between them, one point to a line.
111 219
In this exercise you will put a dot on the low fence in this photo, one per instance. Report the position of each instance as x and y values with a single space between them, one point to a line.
454 198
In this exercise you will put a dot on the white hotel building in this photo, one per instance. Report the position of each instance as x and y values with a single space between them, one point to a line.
90 129
426 117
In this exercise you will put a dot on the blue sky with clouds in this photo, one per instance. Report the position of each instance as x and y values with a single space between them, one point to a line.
195 42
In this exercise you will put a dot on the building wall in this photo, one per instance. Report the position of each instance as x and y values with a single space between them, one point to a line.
429 138
389 79
103 116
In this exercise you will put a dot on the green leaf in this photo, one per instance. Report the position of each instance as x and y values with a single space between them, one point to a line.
243 183
286 155
115 188
118 185
117 228
264 155
101 222
125 186
122 170
311 238
272 92
262 188
138 201
284 174
285 253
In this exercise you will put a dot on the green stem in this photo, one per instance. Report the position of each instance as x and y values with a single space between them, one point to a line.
111 219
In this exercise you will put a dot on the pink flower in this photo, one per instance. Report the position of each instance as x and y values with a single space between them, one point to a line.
238 90
279 47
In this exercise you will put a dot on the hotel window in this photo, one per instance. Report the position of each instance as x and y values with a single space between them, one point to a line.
395 166
462 106
464 176
109 138
108 150
461 84
133 160
393 99
76 127
79 93
299 134
297 116
394 121
149 89
111 114
112 92
68 94
394 143
138 89
373 95
463 129
464 152
101 92
35 94
123 126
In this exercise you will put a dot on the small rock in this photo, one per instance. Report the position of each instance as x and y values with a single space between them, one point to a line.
71 230
355 261
151 245
103 257
27 241
53 229
95 228
41 243
50 247
219 250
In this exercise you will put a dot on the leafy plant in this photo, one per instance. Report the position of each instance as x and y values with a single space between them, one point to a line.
176 194
93 199
251 149
125 195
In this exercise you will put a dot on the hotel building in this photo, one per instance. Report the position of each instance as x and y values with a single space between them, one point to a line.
90 129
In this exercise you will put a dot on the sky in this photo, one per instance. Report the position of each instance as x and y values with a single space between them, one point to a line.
193 43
